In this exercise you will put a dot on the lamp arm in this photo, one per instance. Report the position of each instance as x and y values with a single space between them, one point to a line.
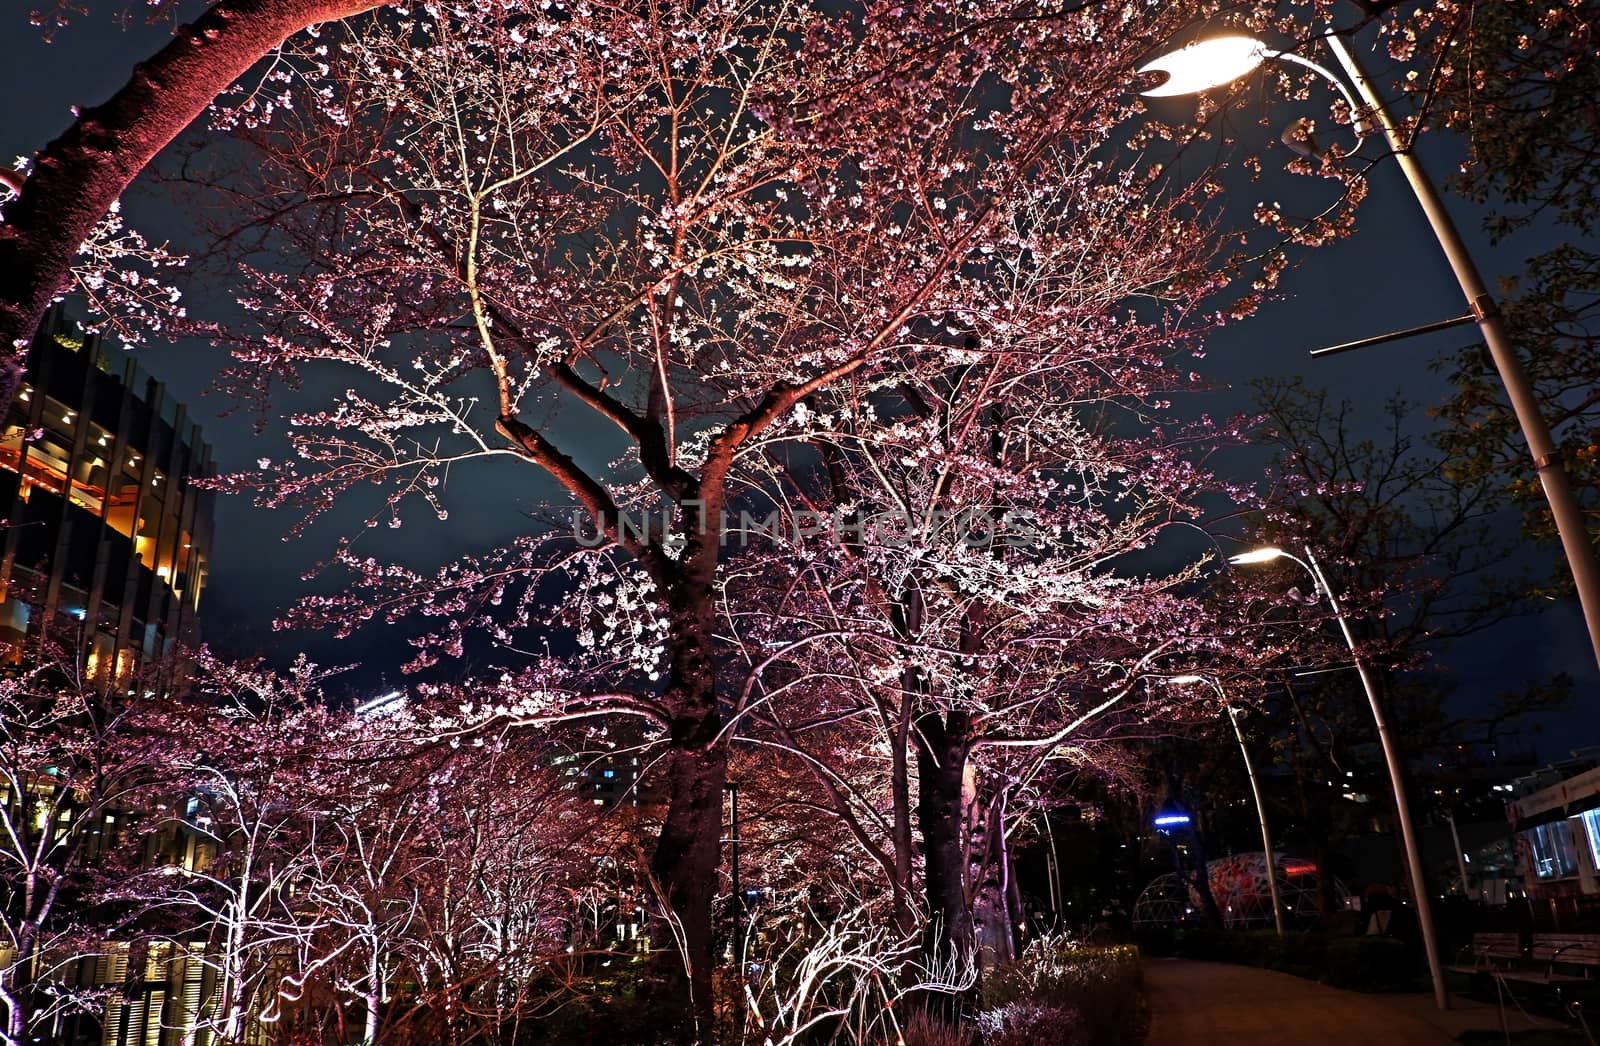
1319 584
1358 122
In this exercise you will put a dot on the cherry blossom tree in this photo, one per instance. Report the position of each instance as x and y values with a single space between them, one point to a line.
975 583
462 874
683 223
1515 82
977 669
389 875
73 766
240 755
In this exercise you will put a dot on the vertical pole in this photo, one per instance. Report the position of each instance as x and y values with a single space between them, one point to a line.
738 909
1547 461
1461 864
1402 805
738 897
1261 814
1054 868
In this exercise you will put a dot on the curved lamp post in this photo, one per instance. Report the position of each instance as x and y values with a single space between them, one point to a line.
1255 790
1391 756
1221 60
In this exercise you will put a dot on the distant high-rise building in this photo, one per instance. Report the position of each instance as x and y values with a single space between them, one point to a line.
604 778
101 525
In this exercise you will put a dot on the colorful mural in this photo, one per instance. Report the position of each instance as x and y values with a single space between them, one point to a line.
1239 884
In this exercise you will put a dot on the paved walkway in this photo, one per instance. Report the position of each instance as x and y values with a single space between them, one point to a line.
1219 1004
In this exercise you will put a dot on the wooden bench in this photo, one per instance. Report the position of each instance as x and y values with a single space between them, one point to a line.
1492 953
1579 950
1546 966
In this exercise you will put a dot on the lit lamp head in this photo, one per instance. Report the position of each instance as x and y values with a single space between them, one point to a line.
1205 64
383 705
1188 679
1257 555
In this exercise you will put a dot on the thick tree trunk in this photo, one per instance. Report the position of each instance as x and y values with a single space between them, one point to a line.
77 177
689 849
943 743
907 619
989 876
905 916
1019 916
16 988
20 986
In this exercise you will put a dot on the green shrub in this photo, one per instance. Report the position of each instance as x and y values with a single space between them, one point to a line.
1025 1023
1370 964
1102 986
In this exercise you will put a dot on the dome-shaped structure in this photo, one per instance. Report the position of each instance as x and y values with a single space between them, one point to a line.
1239 885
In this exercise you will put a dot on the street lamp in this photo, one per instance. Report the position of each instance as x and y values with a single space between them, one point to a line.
1221 60
1255 790
1391 756
1212 63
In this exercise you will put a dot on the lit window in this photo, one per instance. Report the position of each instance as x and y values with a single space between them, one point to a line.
1550 850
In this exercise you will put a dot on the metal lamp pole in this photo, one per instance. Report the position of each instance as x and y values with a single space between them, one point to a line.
1261 815
1391 757
1547 462
738 905
1220 60
1255 790
738 898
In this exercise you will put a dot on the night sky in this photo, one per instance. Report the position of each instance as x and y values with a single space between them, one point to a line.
1389 275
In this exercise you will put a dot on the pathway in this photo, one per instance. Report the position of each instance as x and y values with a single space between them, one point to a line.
1219 1004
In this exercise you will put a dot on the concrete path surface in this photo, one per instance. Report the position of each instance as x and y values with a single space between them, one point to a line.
1218 1004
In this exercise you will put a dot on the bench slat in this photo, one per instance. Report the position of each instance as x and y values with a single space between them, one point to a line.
1568 949
1497 945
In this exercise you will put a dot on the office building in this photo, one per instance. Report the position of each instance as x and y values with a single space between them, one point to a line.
105 536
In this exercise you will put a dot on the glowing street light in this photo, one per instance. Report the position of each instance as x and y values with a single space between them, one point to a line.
1205 65
1257 555
385 704
1209 64
1391 756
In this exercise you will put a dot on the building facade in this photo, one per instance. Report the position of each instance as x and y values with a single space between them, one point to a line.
1558 835
105 536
